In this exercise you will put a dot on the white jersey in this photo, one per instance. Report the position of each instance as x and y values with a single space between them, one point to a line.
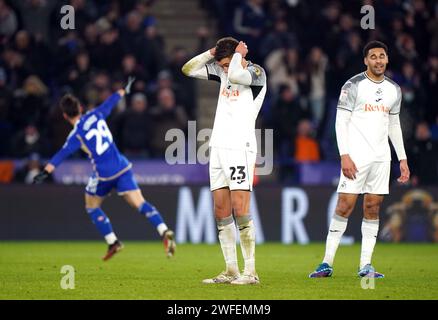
237 108
370 104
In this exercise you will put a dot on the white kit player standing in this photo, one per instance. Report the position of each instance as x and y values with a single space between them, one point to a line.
367 115
233 149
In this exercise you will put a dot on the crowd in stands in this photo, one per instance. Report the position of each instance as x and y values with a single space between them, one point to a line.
308 48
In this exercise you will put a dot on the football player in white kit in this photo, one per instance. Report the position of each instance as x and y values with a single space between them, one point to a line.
233 149
367 115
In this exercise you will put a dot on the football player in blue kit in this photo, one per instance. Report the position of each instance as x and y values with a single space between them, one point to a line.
111 170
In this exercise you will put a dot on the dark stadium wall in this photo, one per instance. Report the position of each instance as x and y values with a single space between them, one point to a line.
286 214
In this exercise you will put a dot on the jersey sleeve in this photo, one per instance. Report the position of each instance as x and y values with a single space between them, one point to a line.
347 98
107 106
395 109
70 146
197 66
258 75
214 71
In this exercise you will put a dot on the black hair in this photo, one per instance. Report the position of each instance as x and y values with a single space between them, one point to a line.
70 105
225 48
374 44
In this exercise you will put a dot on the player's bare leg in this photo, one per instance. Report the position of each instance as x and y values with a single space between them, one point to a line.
370 229
136 200
240 200
92 204
227 236
338 225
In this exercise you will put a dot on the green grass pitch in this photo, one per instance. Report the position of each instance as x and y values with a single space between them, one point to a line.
31 270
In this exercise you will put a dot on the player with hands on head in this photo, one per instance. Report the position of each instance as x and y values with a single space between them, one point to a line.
233 150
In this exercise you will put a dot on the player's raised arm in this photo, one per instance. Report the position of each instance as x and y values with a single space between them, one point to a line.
237 74
107 106
396 136
196 67
343 115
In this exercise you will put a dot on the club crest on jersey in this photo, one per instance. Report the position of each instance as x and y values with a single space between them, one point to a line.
343 98
379 94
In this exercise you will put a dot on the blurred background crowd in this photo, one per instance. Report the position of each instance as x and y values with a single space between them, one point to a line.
308 49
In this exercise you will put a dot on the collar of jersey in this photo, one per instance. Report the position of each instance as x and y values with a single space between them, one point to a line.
365 74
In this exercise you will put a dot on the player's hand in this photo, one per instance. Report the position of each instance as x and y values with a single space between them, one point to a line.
213 51
404 172
242 49
131 80
40 177
348 167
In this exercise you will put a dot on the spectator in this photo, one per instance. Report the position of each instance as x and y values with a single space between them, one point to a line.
318 63
152 51
287 113
411 99
278 38
131 35
31 103
133 128
16 66
167 115
8 21
187 85
306 146
284 67
29 141
79 75
430 84
423 157
31 168
249 23
35 15
131 67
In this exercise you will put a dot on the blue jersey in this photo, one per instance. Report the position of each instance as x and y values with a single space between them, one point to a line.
92 135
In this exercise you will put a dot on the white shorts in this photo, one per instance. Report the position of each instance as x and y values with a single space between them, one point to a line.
371 178
230 168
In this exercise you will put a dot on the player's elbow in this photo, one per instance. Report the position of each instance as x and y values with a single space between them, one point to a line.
234 77
186 70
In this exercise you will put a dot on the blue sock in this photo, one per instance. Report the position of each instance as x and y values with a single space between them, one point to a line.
153 216
101 221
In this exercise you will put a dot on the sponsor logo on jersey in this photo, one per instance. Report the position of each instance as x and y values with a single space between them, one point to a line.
376 108
230 93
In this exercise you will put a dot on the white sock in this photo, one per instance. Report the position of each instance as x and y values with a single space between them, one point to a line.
370 228
227 239
110 238
247 242
337 228
161 228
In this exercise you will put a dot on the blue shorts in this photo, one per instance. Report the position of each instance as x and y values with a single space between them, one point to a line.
122 184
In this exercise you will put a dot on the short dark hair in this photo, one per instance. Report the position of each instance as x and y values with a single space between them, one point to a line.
225 48
374 44
70 105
